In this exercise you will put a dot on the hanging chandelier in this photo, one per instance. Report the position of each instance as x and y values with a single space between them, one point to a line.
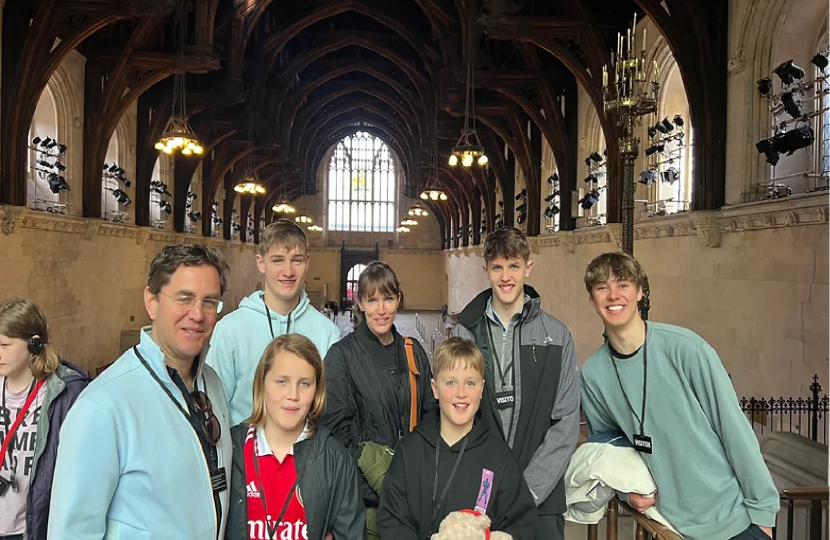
433 195
315 228
250 179
177 134
284 207
468 147
402 229
303 219
417 210
409 223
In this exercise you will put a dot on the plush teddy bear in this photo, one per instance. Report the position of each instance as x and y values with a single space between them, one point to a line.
468 525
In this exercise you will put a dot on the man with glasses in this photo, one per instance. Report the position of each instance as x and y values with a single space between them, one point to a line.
145 451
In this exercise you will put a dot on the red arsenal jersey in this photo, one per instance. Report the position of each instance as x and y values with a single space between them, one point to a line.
276 479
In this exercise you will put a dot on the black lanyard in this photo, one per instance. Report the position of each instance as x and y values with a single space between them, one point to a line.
642 418
192 419
502 372
271 533
268 314
436 506
12 460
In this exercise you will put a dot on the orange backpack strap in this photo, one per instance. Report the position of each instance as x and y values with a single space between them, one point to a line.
413 386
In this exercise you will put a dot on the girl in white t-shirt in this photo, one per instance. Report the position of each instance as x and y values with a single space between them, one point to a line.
33 382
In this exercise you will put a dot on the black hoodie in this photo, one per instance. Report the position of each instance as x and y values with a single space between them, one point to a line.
406 502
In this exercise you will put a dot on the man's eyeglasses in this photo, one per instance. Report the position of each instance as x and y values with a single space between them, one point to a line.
212 428
187 302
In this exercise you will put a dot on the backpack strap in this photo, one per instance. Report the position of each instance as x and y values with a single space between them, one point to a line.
413 386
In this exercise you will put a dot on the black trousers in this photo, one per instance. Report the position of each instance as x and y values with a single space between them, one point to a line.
753 532
550 527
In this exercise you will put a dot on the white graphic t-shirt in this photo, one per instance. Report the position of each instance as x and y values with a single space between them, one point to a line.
20 455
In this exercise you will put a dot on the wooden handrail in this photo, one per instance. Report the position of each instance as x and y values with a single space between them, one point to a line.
818 493
657 530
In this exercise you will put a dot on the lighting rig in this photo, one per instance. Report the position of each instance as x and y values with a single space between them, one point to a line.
553 201
49 166
664 157
793 107
521 209
113 175
596 164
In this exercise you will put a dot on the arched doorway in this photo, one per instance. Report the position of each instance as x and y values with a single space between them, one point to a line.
351 281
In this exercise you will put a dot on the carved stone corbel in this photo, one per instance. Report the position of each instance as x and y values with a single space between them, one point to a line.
737 63
91 230
534 245
142 236
12 216
707 227
567 240
615 233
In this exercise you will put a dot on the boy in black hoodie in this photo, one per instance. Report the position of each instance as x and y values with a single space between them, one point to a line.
453 461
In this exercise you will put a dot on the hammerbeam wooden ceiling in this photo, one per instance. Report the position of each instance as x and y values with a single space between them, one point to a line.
313 71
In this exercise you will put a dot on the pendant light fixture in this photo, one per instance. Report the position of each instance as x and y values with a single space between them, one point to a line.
468 147
250 179
177 134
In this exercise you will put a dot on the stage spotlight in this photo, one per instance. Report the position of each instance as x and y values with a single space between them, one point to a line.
648 177
551 211
596 157
788 72
554 178
590 199
820 61
591 179
678 120
795 139
522 207
765 86
790 106
652 132
651 150
671 175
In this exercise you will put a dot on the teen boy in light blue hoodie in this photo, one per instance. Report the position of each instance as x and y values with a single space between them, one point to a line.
283 308
145 451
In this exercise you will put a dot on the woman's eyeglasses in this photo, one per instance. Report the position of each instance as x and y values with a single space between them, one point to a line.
213 429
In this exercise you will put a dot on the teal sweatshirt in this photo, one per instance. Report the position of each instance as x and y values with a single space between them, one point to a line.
711 479
241 337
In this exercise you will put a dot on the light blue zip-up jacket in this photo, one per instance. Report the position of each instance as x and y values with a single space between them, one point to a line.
130 466
241 337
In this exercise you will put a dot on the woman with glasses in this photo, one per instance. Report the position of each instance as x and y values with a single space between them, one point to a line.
36 391
290 478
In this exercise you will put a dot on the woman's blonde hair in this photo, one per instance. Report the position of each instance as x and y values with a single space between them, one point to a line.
21 318
301 346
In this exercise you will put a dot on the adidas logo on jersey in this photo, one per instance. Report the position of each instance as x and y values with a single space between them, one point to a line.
252 490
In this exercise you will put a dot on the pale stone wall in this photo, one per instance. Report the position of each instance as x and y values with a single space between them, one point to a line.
89 276
324 272
421 275
752 280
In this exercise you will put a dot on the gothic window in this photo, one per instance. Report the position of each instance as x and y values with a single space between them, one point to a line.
362 185
351 281
824 134
42 157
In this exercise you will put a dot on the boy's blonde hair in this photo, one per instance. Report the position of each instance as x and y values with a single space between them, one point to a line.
617 265
457 353
283 234
506 243
303 347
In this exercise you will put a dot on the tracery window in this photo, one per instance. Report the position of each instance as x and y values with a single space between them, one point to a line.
362 185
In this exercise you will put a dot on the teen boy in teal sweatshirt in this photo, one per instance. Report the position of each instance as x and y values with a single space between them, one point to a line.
241 337
666 388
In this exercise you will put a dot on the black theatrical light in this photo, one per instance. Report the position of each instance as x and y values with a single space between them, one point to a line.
655 148
790 106
551 211
671 175
46 142
191 196
521 194
57 184
590 199
678 120
667 124
126 182
767 147
550 197
591 179
521 219
113 168
215 206
60 166
788 72
52 143
648 177
552 179
36 140
820 61
61 148
43 163
596 157
652 132
795 139
521 208
765 86
501 203
195 216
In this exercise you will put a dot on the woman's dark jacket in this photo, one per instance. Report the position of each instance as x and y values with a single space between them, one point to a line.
62 389
328 486
368 394
406 501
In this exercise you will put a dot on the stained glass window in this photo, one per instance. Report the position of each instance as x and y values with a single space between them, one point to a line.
362 185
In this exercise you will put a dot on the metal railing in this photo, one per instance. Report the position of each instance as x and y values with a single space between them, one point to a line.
796 415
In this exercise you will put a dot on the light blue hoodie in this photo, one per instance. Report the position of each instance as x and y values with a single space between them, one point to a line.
241 337
129 465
